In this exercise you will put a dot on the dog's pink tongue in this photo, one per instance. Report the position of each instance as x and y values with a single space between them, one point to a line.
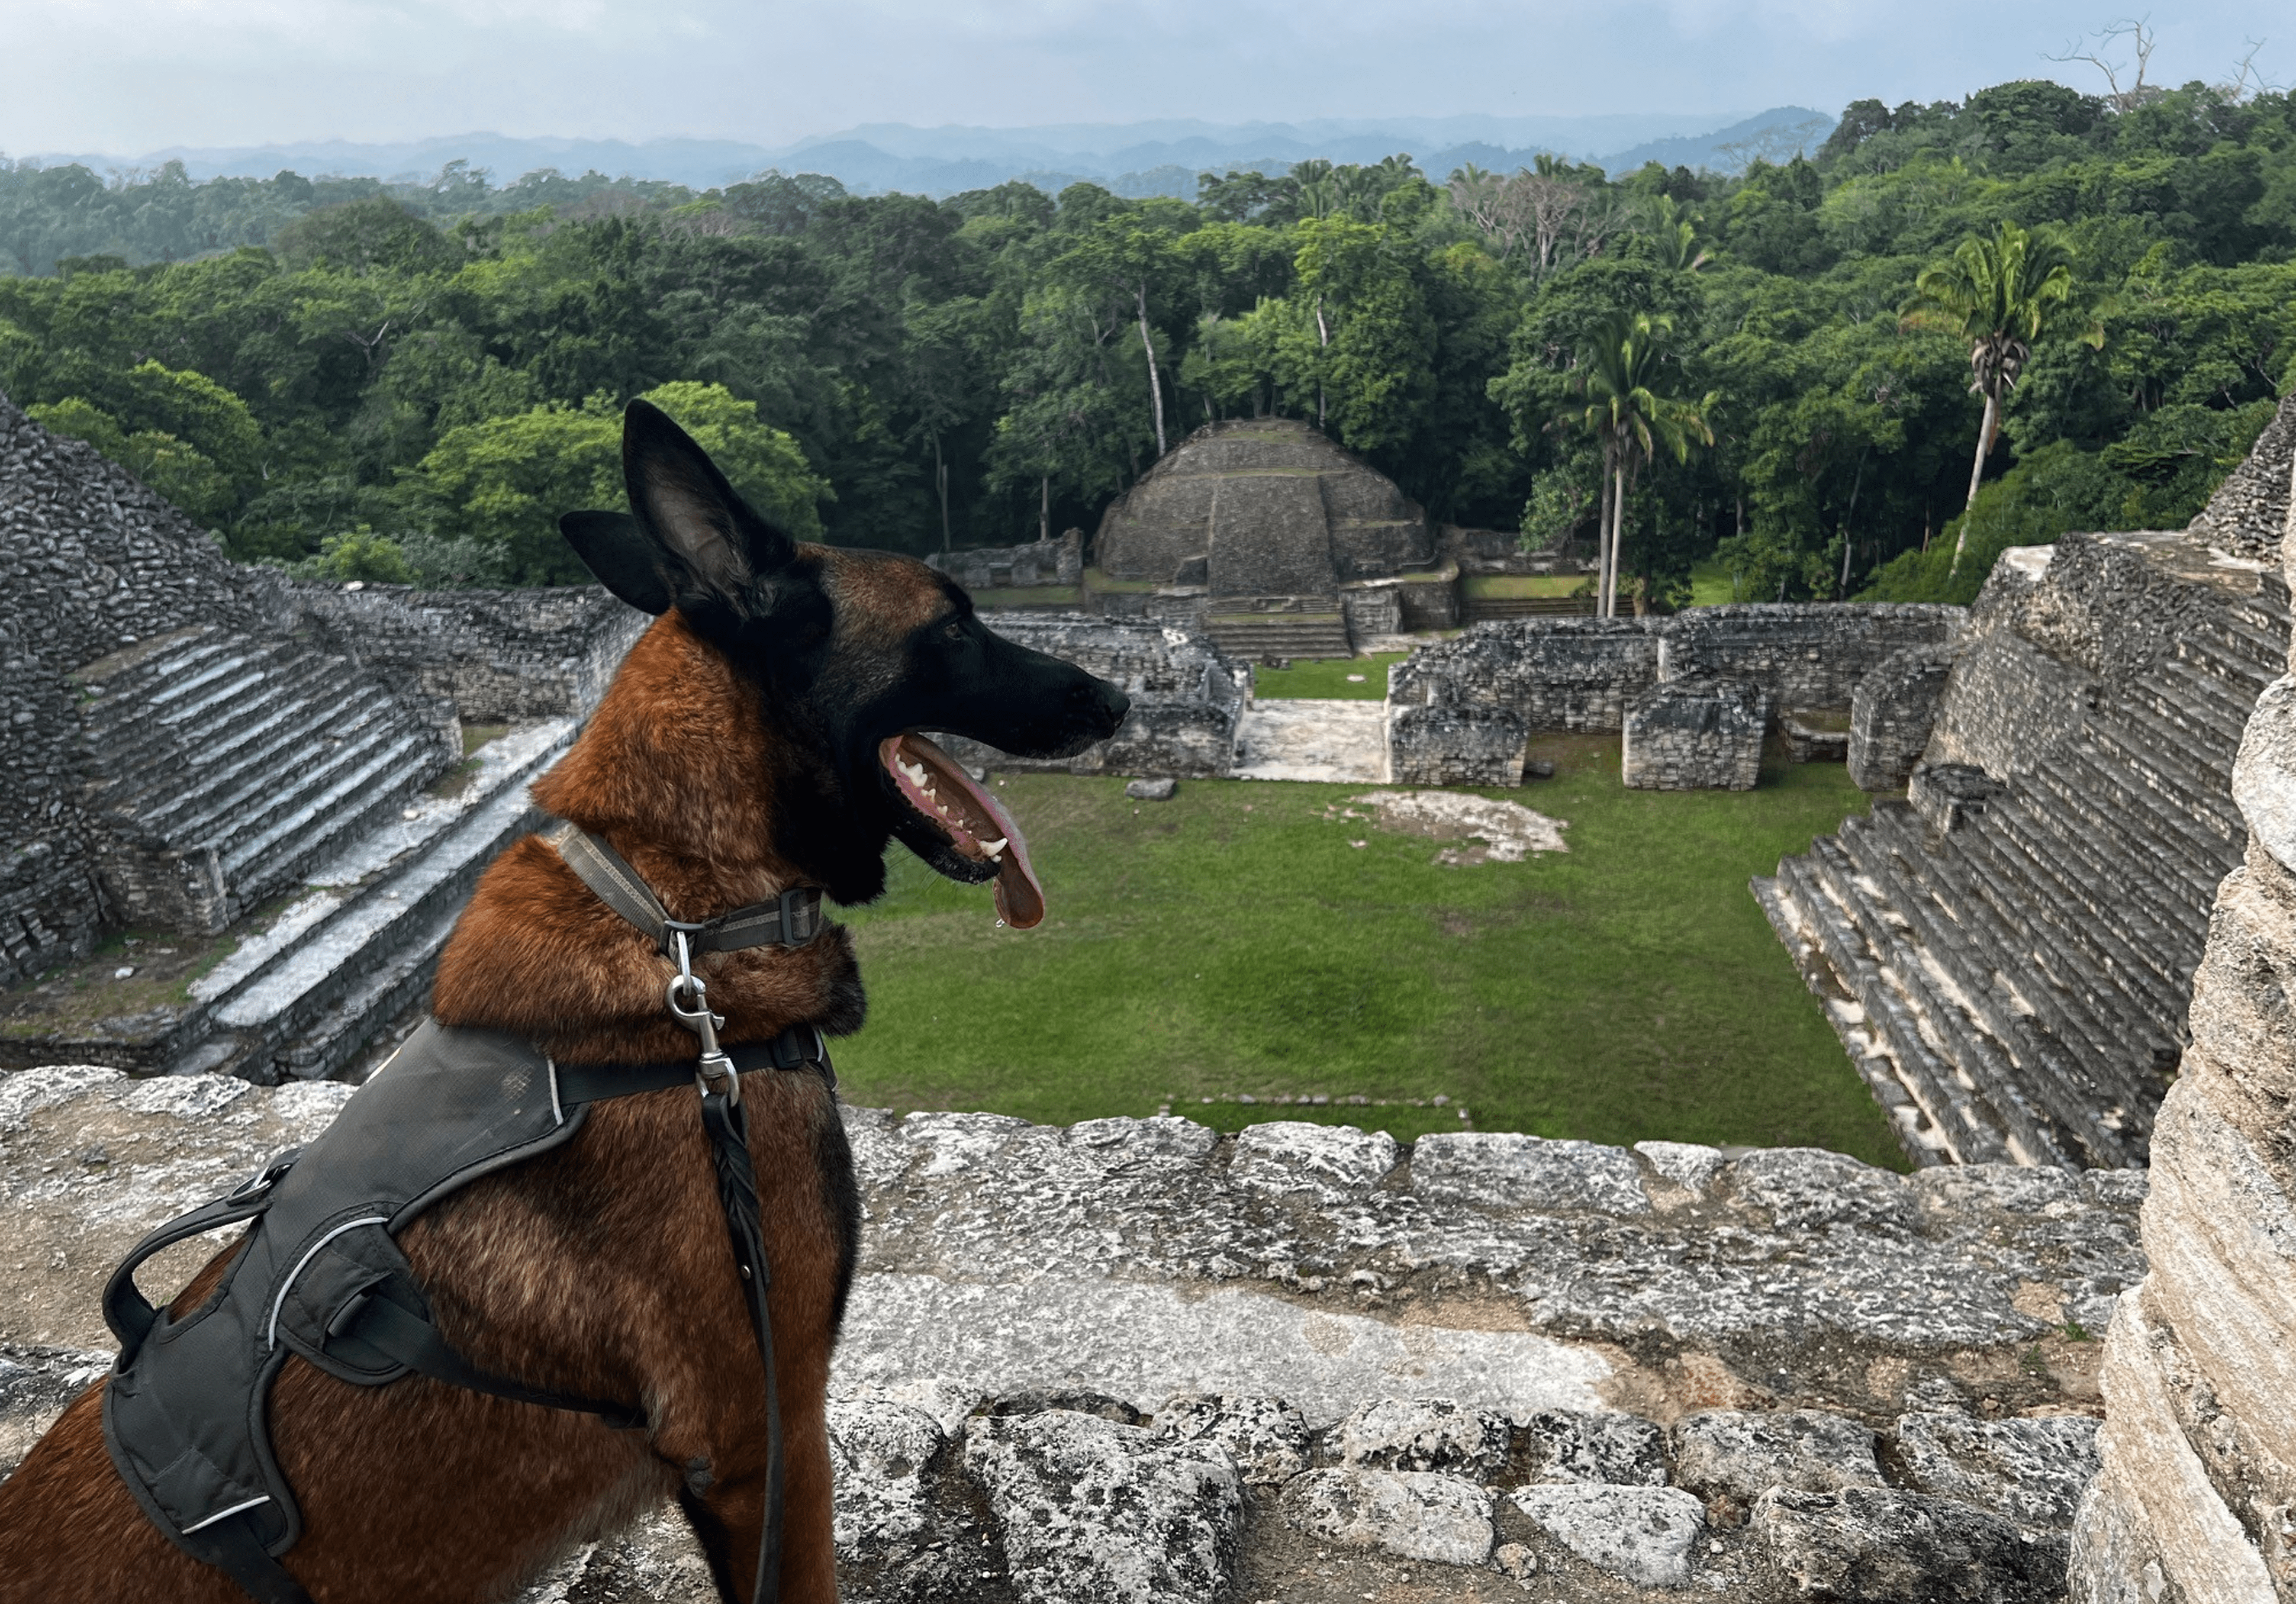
1019 897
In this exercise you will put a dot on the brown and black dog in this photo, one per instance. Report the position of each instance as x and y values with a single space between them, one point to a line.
762 734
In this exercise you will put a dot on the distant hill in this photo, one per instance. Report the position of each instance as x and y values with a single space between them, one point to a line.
1134 159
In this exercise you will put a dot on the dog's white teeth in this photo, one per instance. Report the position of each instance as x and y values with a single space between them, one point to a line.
995 849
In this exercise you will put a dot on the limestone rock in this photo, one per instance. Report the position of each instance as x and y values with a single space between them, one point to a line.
1809 1187
1691 1166
1739 1454
1289 1155
1579 1445
1424 1433
1505 1170
1875 1545
1151 790
2264 774
2034 1471
1094 1512
1411 1514
1639 1535
655 1561
1266 1437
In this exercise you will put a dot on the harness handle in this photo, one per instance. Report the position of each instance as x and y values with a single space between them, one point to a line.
125 1310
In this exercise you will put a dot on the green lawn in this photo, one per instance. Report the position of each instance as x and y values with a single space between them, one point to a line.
1328 677
1233 941
1526 585
1709 584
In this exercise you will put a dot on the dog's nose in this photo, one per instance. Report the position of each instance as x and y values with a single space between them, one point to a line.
1113 704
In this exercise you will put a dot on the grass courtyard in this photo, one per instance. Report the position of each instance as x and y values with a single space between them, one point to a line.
1250 938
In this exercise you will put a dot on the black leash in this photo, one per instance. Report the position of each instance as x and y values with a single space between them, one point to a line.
793 920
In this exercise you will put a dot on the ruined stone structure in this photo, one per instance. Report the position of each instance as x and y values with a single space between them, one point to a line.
187 740
1185 696
2199 1446
1559 674
1135 1359
1701 733
1276 541
500 656
1052 566
2007 954
168 751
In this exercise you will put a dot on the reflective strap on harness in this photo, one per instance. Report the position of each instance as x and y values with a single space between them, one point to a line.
235 1548
791 920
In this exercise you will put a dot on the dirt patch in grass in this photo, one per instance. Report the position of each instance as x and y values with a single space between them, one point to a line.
1489 829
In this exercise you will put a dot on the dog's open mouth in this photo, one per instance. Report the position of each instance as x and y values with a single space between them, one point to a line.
933 784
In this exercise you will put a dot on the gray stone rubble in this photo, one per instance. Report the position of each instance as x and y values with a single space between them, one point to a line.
1135 1360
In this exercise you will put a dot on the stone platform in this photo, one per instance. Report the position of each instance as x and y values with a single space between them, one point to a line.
1138 1360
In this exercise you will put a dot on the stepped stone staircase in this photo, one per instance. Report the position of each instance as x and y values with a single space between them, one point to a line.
307 993
1251 628
224 766
2009 962
1476 610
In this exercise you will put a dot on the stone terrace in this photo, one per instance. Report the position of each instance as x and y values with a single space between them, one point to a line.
2009 960
1138 1359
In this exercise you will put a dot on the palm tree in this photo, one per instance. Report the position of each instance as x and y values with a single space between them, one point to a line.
1620 371
2000 295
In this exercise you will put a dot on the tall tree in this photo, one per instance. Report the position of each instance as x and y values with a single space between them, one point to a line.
2000 294
1624 378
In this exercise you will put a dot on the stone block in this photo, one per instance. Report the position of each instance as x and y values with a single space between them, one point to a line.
1816 734
1504 1170
1091 1511
1266 1437
1424 1433
1950 795
1151 790
2034 1471
1410 1514
1580 1446
2264 774
1691 1166
1297 1156
1804 1187
1891 713
1642 1535
1739 1454
1811 654
1696 734
1877 1545
1455 745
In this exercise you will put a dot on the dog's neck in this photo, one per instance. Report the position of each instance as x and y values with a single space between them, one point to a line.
676 770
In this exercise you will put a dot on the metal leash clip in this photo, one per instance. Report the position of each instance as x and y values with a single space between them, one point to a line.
689 1004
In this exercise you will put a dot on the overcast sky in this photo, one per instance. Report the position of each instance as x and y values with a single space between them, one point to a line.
124 77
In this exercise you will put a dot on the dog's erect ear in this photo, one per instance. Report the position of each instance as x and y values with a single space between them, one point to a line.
614 549
710 545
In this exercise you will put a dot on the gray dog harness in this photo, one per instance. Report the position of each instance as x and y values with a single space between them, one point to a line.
320 1274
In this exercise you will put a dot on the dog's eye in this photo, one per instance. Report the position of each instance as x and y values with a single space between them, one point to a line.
953 630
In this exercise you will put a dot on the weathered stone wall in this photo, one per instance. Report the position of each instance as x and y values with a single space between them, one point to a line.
1025 567
1137 1359
1700 734
502 655
1891 713
90 561
1186 695
1559 673
2248 509
1803 654
1582 673
1465 743
2197 1497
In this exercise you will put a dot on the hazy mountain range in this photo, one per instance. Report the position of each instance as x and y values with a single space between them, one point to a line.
1144 158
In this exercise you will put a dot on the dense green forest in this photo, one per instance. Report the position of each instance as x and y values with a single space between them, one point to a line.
410 380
